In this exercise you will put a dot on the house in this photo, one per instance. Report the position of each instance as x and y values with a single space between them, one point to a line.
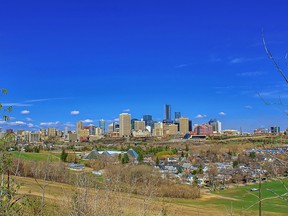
76 167
93 155
132 153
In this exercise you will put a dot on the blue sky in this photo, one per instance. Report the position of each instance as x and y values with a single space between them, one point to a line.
100 58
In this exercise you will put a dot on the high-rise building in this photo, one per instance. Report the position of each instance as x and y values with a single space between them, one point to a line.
51 132
190 125
177 117
216 126
125 124
139 125
133 123
148 121
183 125
158 129
170 129
167 113
275 130
111 128
91 130
79 126
102 125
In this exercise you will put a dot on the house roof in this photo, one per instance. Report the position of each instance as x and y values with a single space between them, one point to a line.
92 155
132 153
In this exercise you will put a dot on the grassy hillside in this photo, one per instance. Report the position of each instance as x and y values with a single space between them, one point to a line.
236 200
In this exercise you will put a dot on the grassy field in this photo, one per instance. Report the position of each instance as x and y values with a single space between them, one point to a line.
243 201
36 156
236 200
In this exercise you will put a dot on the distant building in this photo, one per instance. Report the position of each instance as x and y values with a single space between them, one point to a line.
177 117
79 126
148 120
133 123
170 129
139 125
260 131
275 130
34 137
184 125
52 132
216 126
102 126
125 124
9 131
203 129
167 113
190 125
158 129
91 130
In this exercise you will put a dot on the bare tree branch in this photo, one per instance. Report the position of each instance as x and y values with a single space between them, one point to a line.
270 56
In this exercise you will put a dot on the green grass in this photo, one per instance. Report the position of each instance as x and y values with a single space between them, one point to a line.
36 156
241 198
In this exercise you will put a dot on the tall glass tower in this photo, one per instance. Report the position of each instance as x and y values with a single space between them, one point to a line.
167 113
102 125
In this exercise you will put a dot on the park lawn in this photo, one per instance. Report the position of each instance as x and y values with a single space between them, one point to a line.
240 199
53 157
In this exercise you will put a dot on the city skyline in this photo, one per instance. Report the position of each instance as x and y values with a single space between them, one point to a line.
68 61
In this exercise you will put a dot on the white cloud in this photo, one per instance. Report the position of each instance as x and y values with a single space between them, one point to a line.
46 99
75 112
19 123
69 124
248 107
116 119
181 65
29 119
25 112
49 124
251 74
126 110
222 113
30 125
87 121
236 60
201 116
16 104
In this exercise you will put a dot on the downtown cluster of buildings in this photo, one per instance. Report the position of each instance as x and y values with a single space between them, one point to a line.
146 127
125 127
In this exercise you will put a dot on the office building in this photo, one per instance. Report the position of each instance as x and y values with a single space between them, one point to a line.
125 124
79 126
167 113
177 117
133 123
183 125
51 132
216 126
91 130
102 126
139 125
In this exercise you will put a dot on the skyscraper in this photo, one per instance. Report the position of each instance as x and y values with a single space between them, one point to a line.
79 126
177 117
102 125
139 125
184 125
125 124
167 113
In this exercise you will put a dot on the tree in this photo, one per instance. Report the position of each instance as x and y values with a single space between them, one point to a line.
63 155
157 161
125 159
8 201
140 157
